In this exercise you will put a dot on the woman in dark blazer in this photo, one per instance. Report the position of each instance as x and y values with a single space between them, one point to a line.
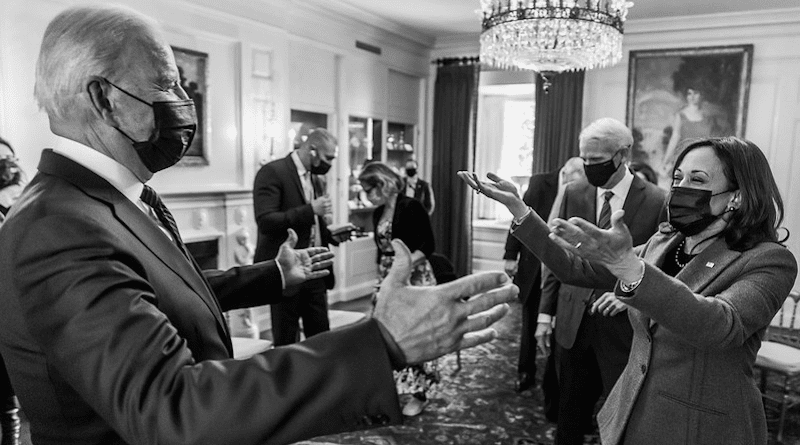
700 295
400 217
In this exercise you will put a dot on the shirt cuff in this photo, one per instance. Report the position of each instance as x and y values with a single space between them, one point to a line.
544 318
283 278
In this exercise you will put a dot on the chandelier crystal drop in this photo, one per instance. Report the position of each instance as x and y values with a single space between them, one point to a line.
552 35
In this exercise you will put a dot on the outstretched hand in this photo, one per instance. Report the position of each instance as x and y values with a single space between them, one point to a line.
427 322
612 247
501 190
299 265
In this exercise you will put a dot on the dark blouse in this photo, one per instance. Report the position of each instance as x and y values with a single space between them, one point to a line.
410 224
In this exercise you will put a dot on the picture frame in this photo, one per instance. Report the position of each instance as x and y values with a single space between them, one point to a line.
678 95
193 72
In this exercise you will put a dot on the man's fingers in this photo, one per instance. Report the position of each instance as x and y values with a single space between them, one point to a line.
491 299
317 274
484 319
472 339
324 264
291 240
400 272
474 284
616 219
315 252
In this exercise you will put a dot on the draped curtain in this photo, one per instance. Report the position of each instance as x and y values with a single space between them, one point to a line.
558 120
489 140
454 112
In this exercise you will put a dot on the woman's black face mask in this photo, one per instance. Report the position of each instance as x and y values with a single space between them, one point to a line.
689 209
176 124
10 173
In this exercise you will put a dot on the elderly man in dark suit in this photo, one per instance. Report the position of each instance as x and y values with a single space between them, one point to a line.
110 332
290 193
417 188
525 268
594 347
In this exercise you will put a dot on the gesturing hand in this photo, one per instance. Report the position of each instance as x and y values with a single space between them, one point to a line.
608 304
429 321
502 191
612 248
300 265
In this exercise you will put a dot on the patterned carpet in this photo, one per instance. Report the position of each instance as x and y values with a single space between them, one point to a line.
477 405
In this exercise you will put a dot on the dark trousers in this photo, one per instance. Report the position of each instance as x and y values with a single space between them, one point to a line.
310 302
527 341
588 371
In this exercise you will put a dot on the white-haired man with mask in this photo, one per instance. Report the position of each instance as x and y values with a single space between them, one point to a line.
594 347
110 332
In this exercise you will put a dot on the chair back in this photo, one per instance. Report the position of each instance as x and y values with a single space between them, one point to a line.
785 326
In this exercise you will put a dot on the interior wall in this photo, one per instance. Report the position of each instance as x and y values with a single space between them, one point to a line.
773 111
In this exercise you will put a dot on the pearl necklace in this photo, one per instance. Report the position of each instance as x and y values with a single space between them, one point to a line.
677 255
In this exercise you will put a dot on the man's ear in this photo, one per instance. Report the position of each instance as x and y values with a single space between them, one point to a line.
101 106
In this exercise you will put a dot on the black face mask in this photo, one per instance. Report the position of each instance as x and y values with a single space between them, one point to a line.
10 174
411 172
689 209
176 124
321 168
599 174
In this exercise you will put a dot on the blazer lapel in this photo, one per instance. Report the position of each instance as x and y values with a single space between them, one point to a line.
292 171
707 265
136 221
633 202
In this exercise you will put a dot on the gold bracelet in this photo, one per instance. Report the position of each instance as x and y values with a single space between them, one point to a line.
629 288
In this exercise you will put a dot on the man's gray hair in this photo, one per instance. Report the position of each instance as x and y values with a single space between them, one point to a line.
80 42
612 132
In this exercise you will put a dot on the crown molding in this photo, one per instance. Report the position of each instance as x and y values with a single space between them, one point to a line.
769 17
353 17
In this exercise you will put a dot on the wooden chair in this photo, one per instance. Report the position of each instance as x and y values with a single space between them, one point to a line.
780 354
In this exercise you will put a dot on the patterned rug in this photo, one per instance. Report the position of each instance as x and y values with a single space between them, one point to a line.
477 405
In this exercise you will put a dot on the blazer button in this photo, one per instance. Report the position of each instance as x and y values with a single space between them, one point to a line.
644 369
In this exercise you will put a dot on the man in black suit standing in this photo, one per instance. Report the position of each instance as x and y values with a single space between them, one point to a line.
526 269
417 188
111 333
290 193
594 347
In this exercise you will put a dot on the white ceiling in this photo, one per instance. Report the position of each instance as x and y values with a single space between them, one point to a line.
441 18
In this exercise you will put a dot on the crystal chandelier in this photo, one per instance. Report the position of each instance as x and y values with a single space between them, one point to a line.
552 35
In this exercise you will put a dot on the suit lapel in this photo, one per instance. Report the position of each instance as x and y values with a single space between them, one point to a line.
633 202
292 170
136 221
707 265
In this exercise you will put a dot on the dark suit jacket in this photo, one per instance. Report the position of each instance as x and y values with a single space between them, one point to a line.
410 223
541 194
280 204
111 335
422 193
689 379
644 210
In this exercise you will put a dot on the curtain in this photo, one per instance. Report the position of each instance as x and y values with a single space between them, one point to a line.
454 112
558 120
489 140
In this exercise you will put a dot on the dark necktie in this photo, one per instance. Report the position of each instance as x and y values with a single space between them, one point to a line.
604 221
151 198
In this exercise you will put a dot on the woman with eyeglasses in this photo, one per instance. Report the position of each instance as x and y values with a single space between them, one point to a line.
700 294
400 217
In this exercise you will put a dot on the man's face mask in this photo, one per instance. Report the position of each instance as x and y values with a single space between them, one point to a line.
599 174
323 167
411 172
689 209
176 124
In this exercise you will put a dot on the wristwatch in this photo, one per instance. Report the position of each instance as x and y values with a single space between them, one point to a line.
517 221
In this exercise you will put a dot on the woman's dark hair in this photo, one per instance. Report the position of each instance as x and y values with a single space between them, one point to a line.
761 211
378 174
5 142
646 170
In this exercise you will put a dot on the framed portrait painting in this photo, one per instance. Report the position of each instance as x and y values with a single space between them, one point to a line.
678 95
193 71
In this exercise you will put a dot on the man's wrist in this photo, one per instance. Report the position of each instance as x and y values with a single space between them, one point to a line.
521 218
544 318
396 356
